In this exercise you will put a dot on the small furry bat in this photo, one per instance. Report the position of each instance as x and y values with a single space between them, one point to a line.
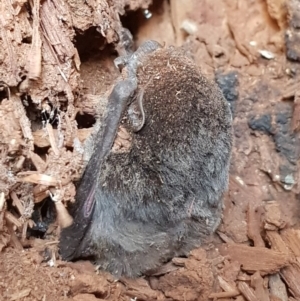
153 187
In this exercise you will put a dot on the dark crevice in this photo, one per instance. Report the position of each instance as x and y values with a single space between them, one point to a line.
85 120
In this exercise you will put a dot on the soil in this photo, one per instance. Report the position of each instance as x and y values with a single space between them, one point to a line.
56 68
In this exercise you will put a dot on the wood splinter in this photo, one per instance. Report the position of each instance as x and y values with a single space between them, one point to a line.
63 217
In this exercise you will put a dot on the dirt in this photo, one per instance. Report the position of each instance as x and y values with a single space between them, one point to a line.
56 68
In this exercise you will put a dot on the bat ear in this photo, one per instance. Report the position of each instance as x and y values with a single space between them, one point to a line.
136 114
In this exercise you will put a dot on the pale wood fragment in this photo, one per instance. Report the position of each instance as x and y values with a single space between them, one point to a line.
17 202
247 291
52 139
255 258
21 294
2 200
38 162
224 295
227 287
12 219
277 287
42 179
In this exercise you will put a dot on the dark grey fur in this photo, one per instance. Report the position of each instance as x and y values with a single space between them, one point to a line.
135 210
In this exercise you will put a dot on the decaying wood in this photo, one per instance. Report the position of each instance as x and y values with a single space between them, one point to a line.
35 56
92 104
255 259
12 78
42 140
20 114
53 32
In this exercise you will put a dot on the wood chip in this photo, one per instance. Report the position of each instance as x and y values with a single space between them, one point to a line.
247 292
21 294
38 162
273 216
291 276
260 286
179 261
254 225
255 259
291 238
17 203
35 56
139 289
227 287
290 246
12 219
24 231
274 298
13 237
42 140
41 196
224 295
40 179
229 290
52 139
2 200
25 124
164 269
277 287
276 242
225 238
